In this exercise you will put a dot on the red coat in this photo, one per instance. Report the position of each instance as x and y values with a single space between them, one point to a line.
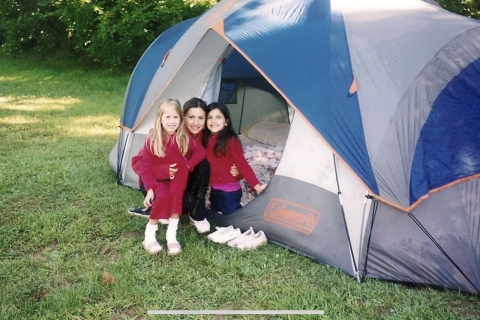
220 165
153 168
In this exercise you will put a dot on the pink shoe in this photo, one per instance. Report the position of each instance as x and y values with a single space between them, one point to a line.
152 247
173 248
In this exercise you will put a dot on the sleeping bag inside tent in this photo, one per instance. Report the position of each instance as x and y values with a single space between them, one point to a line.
362 115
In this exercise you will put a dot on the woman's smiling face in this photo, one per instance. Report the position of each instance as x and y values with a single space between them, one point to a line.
195 120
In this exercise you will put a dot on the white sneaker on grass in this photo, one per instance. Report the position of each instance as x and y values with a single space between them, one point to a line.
224 234
241 238
201 226
254 241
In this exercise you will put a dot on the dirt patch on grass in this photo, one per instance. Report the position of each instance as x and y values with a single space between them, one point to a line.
39 294
465 309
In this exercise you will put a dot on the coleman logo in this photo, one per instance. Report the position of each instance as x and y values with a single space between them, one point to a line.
292 215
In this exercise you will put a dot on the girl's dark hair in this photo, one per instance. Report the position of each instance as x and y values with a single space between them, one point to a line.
194 103
224 135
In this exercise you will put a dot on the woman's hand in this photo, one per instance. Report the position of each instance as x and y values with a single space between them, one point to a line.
260 187
149 198
234 170
173 170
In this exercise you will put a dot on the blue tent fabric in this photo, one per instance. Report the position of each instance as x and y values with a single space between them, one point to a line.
237 67
449 148
318 83
146 69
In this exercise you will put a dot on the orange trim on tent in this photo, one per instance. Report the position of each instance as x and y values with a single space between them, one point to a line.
125 128
220 11
353 87
219 27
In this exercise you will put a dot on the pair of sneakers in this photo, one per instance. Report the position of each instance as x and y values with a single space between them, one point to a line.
202 226
234 238
154 247
248 240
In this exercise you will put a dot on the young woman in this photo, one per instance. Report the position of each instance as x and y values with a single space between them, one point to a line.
224 149
194 111
168 156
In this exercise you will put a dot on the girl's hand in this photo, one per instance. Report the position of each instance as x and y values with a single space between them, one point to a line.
234 170
259 188
149 198
173 170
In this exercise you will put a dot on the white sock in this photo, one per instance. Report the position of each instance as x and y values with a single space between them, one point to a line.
150 232
172 230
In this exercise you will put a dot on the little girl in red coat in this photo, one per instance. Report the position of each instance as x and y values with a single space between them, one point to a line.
224 149
170 153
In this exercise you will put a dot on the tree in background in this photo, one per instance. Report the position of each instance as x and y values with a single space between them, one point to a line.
110 33
107 32
468 8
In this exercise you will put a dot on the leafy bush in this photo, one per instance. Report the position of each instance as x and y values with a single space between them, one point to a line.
107 32
468 8
30 25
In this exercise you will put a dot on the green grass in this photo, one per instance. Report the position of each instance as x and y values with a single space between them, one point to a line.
69 250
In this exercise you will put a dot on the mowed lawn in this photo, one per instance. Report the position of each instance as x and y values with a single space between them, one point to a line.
69 250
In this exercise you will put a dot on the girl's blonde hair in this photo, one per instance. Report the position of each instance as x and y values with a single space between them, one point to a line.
158 136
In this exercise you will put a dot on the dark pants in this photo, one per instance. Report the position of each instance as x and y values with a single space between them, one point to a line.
194 196
225 202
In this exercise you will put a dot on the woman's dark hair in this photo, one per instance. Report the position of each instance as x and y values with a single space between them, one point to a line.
224 135
194 103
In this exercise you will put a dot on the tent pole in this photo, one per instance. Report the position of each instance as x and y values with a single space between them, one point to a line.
343 215
243 106
362 233
440 248
374 214
119 155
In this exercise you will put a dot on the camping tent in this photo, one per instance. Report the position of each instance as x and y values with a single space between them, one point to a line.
380 171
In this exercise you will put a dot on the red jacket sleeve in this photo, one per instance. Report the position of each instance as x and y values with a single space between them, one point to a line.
146 166
150 172
198 153
161 172
241 163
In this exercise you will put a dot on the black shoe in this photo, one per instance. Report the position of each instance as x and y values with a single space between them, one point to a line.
140 212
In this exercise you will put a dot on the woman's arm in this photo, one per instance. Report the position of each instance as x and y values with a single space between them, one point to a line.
163 171
198 153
